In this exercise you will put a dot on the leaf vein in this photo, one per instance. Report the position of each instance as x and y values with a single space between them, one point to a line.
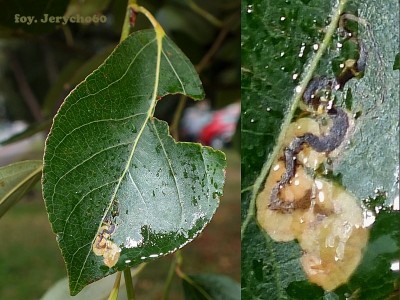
176 74
94 122
173 175
83 162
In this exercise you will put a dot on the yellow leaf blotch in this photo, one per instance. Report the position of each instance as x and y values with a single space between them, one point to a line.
103 246
327 220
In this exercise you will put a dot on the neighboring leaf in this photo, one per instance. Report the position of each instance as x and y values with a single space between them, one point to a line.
26 133
277 43
96 291
113 174
12 14
211 286
17 179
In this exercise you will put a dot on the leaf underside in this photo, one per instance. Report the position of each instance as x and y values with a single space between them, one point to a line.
108 161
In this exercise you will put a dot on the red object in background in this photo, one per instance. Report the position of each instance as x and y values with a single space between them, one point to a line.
220 130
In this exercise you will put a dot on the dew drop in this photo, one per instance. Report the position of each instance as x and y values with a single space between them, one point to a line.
395 265
302 50
250 9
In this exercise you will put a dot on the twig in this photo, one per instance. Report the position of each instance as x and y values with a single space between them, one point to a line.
51 67
26 91
205 14
128 284
115 289
174 128
170 276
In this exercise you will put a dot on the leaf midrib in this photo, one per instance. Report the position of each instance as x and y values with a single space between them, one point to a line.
150 111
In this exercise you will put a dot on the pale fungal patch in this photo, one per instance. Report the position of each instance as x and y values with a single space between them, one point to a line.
103 246
132 243
327 220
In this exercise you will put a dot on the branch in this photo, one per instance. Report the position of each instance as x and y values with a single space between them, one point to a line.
24 87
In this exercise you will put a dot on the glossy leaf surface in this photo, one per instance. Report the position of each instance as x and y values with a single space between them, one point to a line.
113 174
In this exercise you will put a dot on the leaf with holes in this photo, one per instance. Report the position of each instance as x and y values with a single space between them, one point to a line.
118 189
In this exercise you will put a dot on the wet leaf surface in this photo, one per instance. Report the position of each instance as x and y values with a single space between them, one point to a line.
114 180
278 41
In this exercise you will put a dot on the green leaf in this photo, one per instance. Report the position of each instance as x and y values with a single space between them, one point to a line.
396 64
277 46
210 286
109 161
17 179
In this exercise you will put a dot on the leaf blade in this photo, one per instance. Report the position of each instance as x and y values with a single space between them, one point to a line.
124 180
15 180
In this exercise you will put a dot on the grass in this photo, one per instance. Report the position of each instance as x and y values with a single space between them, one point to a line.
30 261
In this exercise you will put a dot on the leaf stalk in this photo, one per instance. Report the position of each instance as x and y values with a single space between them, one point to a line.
129 284
115 289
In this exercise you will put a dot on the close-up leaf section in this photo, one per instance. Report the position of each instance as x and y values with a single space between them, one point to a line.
118 189
281 42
